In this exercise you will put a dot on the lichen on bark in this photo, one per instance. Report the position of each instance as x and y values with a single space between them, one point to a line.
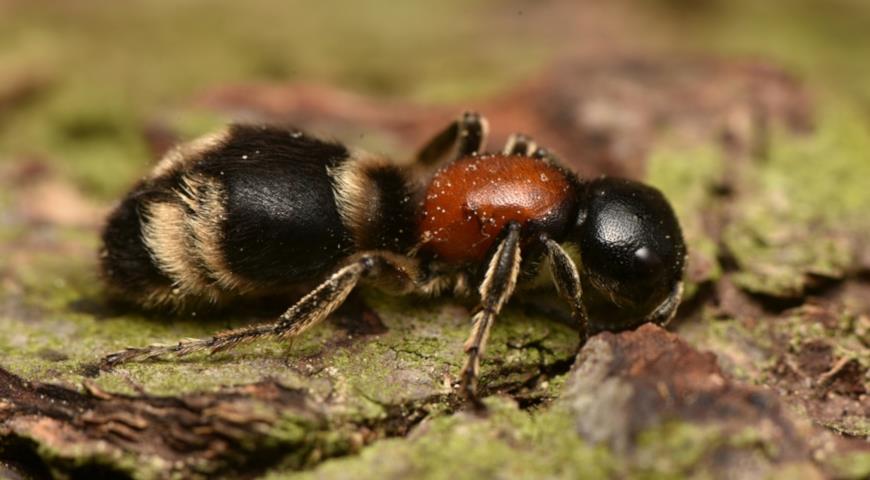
766 371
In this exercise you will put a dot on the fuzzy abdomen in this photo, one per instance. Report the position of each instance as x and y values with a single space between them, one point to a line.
251 212
127 265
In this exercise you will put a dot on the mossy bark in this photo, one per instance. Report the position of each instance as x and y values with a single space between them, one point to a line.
764 370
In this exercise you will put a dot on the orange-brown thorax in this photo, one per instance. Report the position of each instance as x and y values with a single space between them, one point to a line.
469 202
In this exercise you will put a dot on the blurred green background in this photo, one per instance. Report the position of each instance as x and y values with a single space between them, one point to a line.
80 78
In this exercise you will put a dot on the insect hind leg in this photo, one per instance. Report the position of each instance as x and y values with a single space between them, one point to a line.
307 312
520 144
463 137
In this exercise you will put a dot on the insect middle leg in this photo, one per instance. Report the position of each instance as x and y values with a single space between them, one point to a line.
524 145
308 311
495 290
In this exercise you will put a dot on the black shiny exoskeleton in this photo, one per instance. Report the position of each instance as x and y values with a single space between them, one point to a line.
632 249
258 210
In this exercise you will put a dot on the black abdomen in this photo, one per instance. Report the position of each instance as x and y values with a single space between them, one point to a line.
281 221
245 212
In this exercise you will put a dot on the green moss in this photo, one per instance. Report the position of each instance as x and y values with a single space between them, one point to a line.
686 450
688 176
852 465
511 443
800 211
844 336
740 351
64 456
804 208
675 449
507 443
62 326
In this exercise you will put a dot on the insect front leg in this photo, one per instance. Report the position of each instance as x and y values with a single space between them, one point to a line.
464 136
307 312
668 308
495 290
567 280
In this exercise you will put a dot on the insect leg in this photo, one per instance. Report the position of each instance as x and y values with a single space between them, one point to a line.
463 137
668 308
524 145
520 144
495 290
311 309
545 154
567 280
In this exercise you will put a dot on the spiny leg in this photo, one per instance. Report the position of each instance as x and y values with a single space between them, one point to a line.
520 144
463 137
308 311
495 290
567 280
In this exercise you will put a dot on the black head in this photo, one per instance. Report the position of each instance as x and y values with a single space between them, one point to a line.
631 249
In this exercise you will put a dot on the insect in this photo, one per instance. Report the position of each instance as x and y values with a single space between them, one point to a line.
256 209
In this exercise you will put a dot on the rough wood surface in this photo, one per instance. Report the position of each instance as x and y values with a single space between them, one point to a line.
763 372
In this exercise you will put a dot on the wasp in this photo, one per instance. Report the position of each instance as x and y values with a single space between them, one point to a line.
257 209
